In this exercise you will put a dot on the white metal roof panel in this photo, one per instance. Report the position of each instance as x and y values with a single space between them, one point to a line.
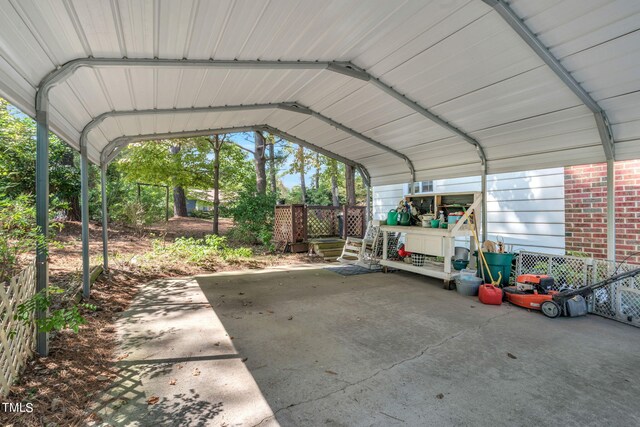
457 58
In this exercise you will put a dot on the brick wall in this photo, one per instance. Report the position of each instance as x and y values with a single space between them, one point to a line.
586 209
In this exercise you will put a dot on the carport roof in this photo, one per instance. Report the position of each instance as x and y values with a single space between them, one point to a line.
441 83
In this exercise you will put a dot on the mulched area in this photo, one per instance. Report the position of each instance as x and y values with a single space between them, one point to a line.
79 365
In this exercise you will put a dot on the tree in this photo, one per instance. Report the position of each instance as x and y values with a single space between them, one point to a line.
18 160
272 166
259 159
179 197
190 168
332 169
350 180
301 166
216 142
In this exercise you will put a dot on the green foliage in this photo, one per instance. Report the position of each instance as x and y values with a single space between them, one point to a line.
253 217
56 320
18 233
200 251
192 167
18 156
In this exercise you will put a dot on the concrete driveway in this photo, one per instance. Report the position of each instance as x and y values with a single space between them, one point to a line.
305 346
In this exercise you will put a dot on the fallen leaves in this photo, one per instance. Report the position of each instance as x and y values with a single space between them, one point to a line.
196 372
173 381
122 356
153 400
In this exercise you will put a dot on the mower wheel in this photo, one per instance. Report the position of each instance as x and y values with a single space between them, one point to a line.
550 309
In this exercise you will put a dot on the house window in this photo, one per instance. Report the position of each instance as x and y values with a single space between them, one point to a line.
422 187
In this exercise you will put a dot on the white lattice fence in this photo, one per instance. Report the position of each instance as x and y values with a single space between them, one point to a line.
16 348
619 301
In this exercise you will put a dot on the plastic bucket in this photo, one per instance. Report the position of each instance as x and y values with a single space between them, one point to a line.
498 263
418 259
392 218
468 285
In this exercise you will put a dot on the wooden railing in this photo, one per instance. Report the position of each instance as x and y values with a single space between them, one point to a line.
17 340
298 223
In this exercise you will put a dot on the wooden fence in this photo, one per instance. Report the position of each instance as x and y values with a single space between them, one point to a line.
16 348
297 223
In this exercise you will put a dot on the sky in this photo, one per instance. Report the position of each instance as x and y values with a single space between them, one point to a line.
245 139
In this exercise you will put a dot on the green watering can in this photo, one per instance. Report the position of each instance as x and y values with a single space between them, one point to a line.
392 217
404 218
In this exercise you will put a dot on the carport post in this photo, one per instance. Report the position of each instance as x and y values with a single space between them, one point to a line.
484 202
611 210
105 219
42 214
368 213
84 203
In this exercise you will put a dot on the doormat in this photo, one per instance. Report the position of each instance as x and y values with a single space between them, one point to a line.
353 270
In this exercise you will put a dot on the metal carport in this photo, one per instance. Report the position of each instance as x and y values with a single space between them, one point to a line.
406 91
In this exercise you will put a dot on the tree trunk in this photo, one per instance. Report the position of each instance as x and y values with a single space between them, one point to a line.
334 190
217 145
179 202
317 175
350 178
303 187
179 198
272 169
259 159
73 213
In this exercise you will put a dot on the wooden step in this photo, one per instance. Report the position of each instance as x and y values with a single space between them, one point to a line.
328 245
329 252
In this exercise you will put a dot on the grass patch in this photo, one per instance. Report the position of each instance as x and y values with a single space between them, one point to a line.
201 252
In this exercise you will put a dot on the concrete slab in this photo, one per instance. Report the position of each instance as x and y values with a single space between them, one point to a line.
372 349
178 365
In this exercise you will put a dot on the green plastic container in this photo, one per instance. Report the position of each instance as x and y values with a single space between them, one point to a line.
498 263
392 217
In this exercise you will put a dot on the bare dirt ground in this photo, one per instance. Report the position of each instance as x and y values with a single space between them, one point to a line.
81 365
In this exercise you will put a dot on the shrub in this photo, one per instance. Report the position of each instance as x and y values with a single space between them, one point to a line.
18 233
253 217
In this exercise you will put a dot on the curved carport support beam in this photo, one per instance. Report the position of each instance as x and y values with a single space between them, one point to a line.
125 140
602 122
295 107
288 106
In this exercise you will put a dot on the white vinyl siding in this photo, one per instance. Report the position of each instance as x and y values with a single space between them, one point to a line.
526 209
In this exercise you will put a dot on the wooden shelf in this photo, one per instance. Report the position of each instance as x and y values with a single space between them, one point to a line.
433 269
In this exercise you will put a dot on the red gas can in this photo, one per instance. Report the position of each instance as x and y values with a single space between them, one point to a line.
489 294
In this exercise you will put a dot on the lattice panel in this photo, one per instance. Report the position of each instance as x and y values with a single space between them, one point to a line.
619 301
323 221
355 221
299 227
15 348
567 271
282 231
